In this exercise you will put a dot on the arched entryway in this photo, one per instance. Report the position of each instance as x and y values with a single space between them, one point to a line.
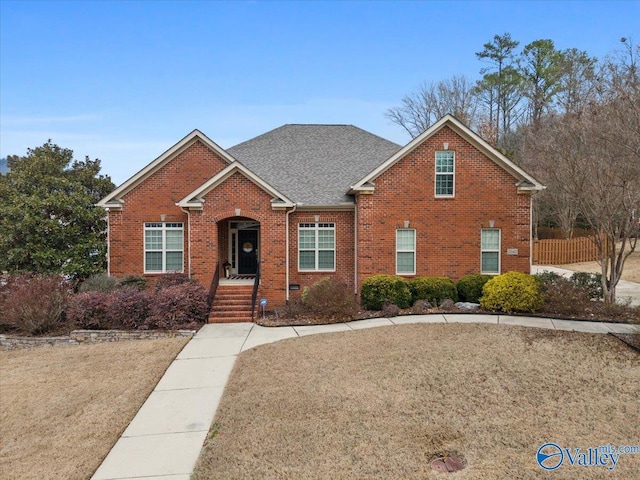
240 245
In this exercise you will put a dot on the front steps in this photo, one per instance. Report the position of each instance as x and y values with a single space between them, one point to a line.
232 303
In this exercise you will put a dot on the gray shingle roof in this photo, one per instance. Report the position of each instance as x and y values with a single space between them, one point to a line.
314 164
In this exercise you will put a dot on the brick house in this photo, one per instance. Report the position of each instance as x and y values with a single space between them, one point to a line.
304 202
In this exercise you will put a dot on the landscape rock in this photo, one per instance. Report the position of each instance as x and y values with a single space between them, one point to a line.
467 305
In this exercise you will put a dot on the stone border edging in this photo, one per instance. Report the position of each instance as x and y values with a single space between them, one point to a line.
78 337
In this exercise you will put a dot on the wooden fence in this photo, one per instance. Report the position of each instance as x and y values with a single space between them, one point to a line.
559 252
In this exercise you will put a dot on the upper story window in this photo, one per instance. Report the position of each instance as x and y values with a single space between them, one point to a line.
163 247
317 246
445 173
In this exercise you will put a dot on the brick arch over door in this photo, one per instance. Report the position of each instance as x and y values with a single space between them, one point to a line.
238 213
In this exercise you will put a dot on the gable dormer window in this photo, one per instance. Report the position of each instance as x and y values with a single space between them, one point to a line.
445 173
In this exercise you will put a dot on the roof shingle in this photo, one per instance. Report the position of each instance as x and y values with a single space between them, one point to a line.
314 164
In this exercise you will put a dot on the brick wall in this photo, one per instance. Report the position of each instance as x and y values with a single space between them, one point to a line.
447 229
153 197
344 238
237 199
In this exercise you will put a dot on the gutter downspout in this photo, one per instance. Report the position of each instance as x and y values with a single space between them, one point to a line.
188 239
355 247
108 244
286 242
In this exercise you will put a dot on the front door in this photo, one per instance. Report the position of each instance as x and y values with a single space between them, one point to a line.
247 252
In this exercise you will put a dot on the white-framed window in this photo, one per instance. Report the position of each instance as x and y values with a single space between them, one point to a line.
445 173
163 247
490 251
317 247
405 251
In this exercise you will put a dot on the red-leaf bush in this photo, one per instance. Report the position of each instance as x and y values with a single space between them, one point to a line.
33 304
128 308
88 310
179 306
171 279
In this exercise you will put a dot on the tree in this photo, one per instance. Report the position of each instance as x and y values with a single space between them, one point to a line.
499 84
614 178
591 159
541 71
432 101
577 80
48 221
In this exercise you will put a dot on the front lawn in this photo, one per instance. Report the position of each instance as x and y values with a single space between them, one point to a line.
63 408
382 403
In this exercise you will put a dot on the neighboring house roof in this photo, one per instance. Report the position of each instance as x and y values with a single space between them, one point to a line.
525 182
314 165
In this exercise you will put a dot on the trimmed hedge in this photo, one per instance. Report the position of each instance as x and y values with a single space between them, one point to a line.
512 292
470 287
433 289
380 289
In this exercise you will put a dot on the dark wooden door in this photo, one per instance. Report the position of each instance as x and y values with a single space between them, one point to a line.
247 254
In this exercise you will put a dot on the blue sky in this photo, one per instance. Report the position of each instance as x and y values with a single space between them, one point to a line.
123 81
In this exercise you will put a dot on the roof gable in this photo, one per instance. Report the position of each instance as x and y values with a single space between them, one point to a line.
114 199
195 200
525 181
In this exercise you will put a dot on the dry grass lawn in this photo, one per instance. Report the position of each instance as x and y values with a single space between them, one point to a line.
631 272
382 403
63 408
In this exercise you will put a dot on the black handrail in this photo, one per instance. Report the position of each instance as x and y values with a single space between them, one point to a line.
254 295
214 286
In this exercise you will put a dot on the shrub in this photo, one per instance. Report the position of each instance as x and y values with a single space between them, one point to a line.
512 292
563 297
591 282
470 287
385 288
128 308
330 298
88 310
433 289
139 282
34 304
545 279
99 282
179 306
171 279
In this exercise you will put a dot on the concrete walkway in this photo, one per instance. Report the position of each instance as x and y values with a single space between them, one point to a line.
164 439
